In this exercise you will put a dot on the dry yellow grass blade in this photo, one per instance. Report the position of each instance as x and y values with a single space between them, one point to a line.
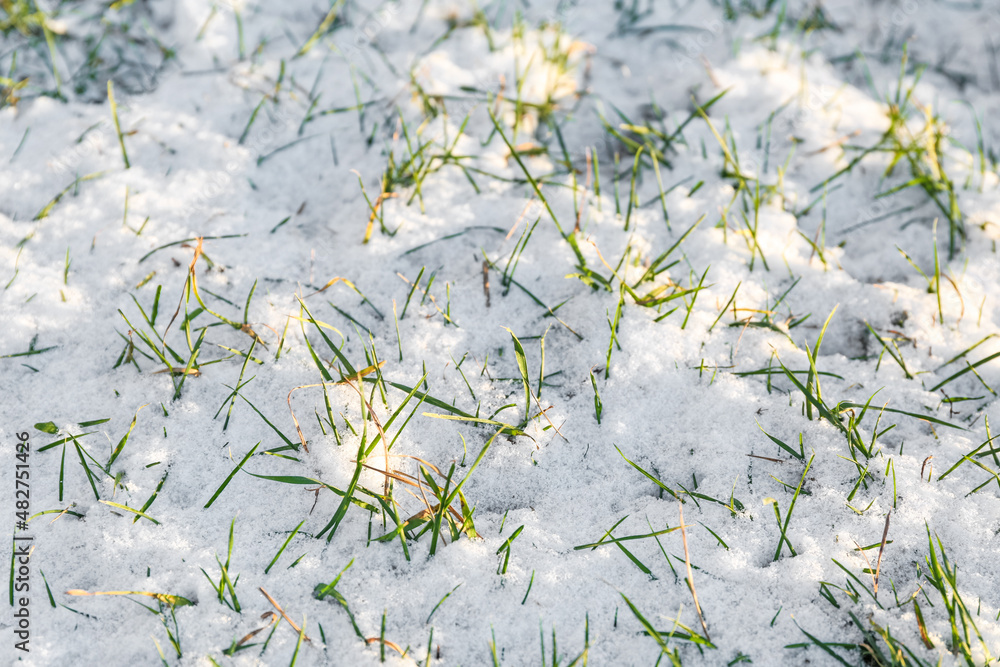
172 600
253 633
179 371
330 283
348 380
393 645
429 512
284 615
375 420
194 260
876 571
690 577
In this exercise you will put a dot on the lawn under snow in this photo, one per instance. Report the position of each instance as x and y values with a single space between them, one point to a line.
570 271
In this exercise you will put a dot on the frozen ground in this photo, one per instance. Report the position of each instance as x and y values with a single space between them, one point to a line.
274 180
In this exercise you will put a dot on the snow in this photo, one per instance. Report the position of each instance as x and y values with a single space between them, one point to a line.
672 401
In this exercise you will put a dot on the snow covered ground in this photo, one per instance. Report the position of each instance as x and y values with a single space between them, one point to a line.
611 333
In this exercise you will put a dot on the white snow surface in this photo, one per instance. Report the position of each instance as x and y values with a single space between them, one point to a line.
672 401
